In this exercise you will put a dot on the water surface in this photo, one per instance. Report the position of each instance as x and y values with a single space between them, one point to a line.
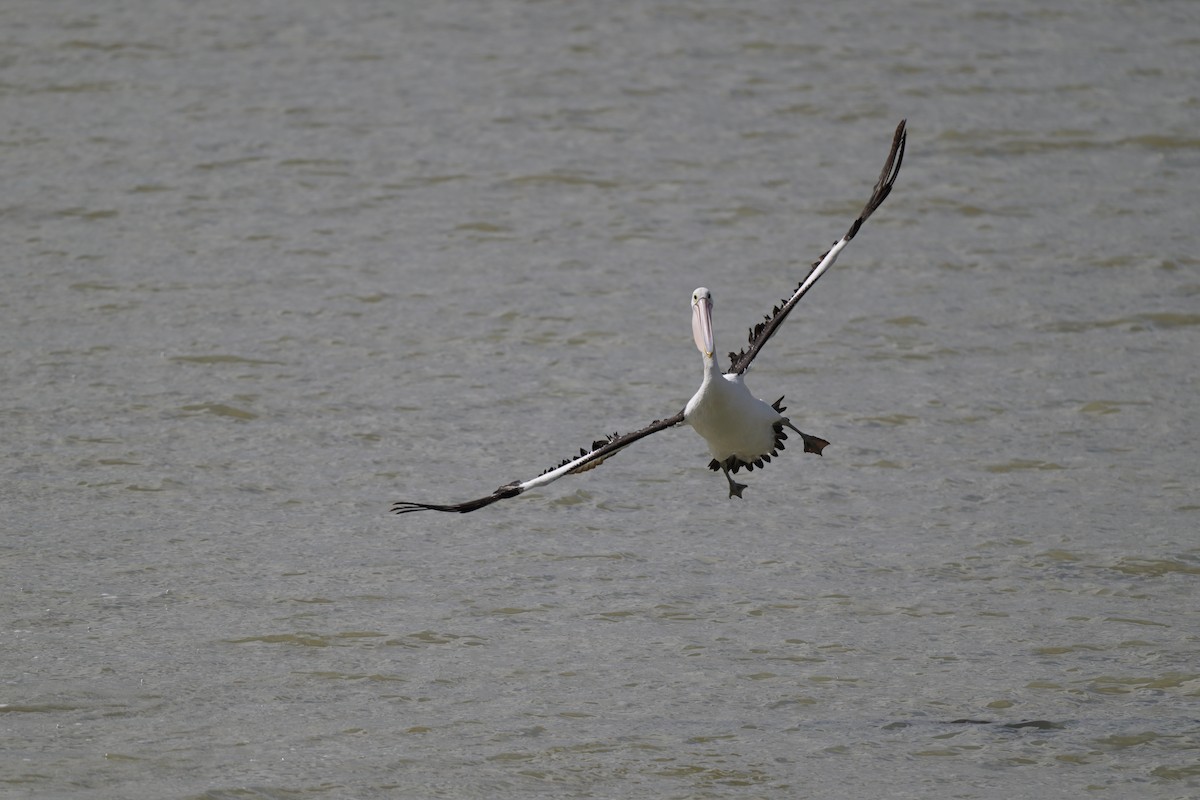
269 267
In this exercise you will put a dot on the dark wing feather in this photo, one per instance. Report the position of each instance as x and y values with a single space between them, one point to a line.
602 449
507 490
763 331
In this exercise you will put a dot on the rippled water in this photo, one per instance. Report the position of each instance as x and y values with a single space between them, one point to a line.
269 267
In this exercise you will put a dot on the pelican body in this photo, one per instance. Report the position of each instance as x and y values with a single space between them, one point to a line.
739 429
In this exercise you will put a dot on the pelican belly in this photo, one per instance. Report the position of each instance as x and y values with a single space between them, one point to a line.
732 421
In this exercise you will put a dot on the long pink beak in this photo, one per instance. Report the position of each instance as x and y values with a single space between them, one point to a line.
702 326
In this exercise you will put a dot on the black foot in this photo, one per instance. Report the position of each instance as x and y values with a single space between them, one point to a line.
735 488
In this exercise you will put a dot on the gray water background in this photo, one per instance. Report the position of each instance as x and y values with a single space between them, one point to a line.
269 266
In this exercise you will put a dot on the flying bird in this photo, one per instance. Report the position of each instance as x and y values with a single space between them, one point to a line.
740 430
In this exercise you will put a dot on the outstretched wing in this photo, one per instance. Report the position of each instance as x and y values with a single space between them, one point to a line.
761 332
601 450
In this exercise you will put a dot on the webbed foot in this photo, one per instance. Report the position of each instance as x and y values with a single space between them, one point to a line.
812 444
735 488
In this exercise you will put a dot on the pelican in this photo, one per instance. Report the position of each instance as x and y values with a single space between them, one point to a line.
740 430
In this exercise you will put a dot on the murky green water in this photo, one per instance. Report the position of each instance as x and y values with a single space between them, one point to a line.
268 268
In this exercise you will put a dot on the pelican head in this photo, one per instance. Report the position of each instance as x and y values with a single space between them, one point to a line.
702 331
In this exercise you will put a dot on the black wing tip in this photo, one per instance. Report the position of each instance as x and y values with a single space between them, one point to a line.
887 178
405 507
505 491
